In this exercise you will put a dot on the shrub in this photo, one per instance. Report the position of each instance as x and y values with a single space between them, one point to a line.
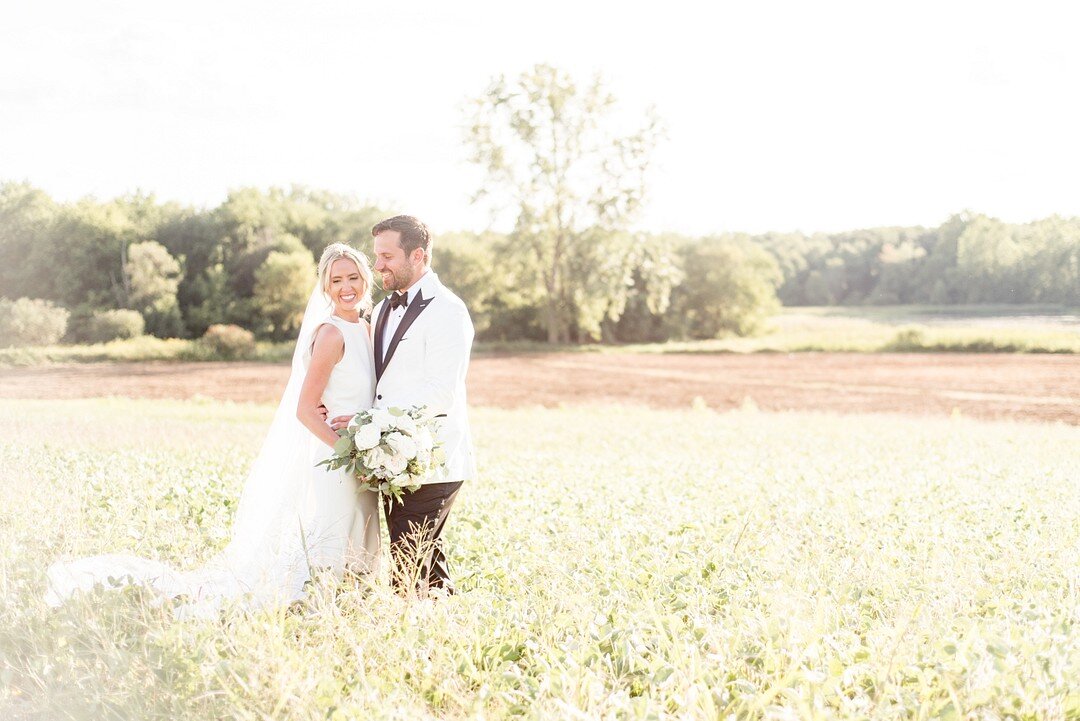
102 326
229 342
31 321
907 339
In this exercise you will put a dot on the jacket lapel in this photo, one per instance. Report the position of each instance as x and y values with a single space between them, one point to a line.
412 312
380 331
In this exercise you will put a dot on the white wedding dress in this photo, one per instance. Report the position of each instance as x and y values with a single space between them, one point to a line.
293 517
345 526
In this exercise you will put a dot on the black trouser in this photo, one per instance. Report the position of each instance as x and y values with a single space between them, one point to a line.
415 526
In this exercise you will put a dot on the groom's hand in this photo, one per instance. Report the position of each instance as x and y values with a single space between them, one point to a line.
340 422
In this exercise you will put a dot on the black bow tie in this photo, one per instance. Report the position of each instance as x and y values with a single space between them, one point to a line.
399 300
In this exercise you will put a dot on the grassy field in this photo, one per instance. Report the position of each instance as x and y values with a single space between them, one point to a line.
992 329
615 563
968 329
926 328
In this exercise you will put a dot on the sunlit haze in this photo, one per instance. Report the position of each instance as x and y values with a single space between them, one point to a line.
780 115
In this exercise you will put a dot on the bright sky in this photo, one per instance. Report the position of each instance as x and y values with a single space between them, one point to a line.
781 115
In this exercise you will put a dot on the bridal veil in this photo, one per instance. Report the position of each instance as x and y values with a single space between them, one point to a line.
265 561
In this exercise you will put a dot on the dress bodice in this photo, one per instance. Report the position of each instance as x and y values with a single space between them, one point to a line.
351 386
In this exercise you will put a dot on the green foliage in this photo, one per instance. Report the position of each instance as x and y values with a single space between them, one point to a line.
178 266
654 272
251 224
152 278
968 259
677 565
910 338
27 217
228 342
316 217
242 271
31 321
729 288
581 273
494 284
282 286
103 326
216 303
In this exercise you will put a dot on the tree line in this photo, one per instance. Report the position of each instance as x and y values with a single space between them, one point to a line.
129 265
173 271
968 259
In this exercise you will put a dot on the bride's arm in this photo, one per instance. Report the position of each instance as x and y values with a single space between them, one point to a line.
327 350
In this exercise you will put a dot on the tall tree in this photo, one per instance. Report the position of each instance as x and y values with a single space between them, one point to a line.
27 216
554 157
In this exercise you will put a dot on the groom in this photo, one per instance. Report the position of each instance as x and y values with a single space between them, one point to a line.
422 339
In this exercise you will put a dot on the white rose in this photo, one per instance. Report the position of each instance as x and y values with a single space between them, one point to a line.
402 445
376 458
381 418
401 480
405 424
395 463
424 440
367 437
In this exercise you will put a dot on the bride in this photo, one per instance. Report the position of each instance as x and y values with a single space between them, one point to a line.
293 517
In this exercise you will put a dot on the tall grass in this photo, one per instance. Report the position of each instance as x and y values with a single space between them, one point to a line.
613 563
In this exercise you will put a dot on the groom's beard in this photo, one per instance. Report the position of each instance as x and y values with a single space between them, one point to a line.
398 281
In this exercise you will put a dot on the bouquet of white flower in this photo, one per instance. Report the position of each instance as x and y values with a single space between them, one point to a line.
389 449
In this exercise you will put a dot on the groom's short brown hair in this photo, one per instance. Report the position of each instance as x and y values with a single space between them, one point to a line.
414 234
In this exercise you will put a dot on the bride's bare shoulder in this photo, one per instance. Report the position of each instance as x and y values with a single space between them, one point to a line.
328 332
329 341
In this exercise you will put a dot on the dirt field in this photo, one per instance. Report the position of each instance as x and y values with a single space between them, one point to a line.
1024 387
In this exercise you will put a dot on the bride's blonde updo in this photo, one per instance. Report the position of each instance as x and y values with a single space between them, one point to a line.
337 251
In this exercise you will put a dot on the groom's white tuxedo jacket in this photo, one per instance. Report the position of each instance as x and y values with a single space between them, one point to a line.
423 362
